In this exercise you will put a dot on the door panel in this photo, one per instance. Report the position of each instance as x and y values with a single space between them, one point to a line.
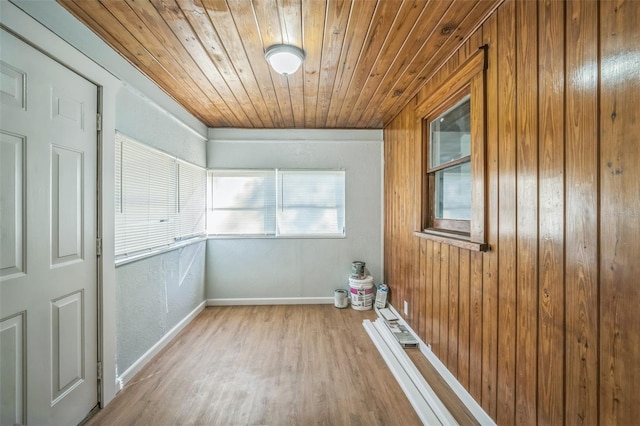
11 200
66 205
12 372
48 280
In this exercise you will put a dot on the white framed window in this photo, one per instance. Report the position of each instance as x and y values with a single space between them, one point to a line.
159 200
311 202
242 202
277 203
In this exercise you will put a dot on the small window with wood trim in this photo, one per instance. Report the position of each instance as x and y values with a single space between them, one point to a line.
453 124
449 168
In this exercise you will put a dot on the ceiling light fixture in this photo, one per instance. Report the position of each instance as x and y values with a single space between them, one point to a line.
285 59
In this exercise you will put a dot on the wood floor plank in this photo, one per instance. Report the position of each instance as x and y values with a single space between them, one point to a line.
277 365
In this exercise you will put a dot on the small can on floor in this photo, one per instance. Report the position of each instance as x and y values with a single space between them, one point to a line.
340 298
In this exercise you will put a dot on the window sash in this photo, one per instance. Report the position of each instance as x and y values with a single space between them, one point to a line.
277 203
311 202
242 202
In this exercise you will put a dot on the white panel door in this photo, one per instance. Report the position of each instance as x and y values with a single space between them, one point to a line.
48 259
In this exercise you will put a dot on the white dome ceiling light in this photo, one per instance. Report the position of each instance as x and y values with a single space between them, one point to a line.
285 59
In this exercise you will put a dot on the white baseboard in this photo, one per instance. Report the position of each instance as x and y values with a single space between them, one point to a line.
124 378
466 398
271 301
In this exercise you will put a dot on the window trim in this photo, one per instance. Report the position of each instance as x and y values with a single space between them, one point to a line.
468 78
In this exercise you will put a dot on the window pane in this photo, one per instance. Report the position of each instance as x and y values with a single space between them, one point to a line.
242 202
311 202
450 134
453 193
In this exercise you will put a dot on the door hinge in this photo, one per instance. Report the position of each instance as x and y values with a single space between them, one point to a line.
99 122
99 246
100 370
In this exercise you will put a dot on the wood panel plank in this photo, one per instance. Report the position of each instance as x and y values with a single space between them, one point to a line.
581 206
507 210
357 29
455 23
444 304
551 325
291 27
484 381
246 55
217 66
429 293
619 212
454 306
167 13
527 212
313 18
436 345
425 27
377 31
421 302
404 22
464 322
338 12
476 326
155 38
267 17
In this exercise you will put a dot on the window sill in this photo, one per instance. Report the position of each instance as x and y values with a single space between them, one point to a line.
123 260
460 241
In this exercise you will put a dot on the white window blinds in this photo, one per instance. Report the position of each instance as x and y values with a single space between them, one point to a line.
311 202
154 205
192 194
243 202
277 202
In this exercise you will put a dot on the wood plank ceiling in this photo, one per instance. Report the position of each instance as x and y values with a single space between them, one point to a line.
365 59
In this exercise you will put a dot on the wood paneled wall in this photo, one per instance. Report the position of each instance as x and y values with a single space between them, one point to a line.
543 328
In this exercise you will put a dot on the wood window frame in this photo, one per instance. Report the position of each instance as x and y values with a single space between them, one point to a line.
469 78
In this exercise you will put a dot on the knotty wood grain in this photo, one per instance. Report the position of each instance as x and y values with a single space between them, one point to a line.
527 212
507 202
581 253
619 212
453 306
462 339
551 54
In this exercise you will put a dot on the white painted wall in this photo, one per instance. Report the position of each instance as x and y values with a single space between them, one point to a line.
247 268
154 294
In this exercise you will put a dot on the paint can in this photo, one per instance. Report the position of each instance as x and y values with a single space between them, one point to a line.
357 270
340 298
361 293
381 295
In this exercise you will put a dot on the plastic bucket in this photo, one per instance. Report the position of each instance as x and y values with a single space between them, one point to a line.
361 293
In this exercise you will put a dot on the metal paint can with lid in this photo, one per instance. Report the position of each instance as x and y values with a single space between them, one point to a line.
340 298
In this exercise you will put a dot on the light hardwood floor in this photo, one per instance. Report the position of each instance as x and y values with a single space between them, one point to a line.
265 365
